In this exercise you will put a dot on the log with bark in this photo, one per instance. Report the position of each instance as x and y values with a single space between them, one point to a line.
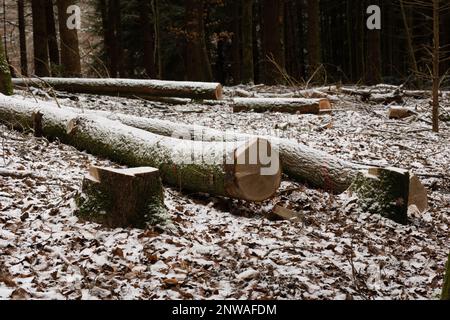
129 87
286 105
300 162
245 170
375 95
121 198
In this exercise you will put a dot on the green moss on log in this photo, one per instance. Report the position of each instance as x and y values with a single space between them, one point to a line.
123 200
383 191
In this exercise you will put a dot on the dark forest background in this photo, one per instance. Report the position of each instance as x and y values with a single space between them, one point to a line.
250 41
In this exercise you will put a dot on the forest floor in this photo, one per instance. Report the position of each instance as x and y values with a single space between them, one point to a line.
223 249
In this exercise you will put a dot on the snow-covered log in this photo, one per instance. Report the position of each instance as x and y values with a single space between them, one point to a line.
300 162
246 170
286 105
130 87
383 191
375 95
121 198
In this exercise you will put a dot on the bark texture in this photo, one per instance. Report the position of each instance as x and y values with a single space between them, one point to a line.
70 52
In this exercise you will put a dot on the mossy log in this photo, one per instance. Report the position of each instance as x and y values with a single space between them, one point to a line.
285 105
300 162
383 191
218 168
130 87
121 198
446 288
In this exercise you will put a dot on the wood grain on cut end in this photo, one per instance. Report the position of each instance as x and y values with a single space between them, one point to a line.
250 181
219 92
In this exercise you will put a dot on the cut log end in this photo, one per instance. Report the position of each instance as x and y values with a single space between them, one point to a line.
254 180
325 106
396 112
219 92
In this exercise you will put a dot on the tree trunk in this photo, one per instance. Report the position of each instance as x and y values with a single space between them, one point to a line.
436 61
301 163
236 170
409 41
198 67
148 39
373 70
313 38
293 59
247 41
5 75
236 43
22 38
446 288
40 38
273 42
127 87
70 52
52 39
286 105
122 198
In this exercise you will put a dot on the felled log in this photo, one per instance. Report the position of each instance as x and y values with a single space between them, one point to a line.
376 96
383 191
130 87
396 112
446 288
247 170
121 198
300 162
286 105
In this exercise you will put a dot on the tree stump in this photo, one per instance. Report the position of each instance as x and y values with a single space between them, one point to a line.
396 112
383 191
121 198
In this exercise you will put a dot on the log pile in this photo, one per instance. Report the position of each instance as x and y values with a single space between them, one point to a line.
218 168
129 87
123 197
300 162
